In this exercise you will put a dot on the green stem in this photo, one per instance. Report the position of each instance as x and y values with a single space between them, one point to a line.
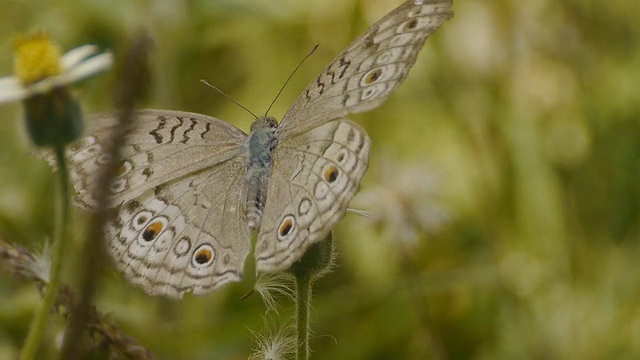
38 325
303 304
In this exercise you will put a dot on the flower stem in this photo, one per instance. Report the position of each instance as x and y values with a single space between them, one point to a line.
315 263
38 325
303 304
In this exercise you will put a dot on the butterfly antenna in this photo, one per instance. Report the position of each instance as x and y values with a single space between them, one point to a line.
290 76
228 97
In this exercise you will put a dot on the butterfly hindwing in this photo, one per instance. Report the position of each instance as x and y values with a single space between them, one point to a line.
186 235
314 177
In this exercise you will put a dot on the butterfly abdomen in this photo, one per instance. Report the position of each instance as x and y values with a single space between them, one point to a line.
256 196
258 152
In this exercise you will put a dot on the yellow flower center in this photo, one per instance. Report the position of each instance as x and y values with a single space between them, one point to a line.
36 58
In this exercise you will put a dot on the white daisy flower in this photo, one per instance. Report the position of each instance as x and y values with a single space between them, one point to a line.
40 67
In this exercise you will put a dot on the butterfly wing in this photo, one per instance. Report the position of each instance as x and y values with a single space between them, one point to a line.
365 74
160 146
314 176
185 235
180 182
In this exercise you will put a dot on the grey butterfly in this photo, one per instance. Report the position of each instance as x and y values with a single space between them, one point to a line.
191 188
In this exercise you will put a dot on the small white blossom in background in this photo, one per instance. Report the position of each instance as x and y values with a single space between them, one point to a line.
39 67
405 203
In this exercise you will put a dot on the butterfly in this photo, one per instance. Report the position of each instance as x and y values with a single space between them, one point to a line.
191 188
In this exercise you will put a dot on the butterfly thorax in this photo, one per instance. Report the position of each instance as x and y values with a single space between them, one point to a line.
258 154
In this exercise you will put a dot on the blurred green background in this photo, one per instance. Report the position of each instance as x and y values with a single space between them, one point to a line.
504 183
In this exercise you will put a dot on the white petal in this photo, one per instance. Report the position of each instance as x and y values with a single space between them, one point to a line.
9 82
13 95
89 67
45 85
74 56
11 89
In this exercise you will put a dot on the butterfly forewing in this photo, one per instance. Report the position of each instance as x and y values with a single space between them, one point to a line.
367 72
161 146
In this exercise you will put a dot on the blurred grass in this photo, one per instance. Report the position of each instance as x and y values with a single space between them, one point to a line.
528 112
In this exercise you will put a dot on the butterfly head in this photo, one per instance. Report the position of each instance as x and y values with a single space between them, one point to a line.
264 122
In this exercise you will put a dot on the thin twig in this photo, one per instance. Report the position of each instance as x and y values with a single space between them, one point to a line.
131 86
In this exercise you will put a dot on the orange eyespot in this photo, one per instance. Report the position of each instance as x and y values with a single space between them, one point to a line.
204 255
373 76
152 230
331 174
142 219
286 226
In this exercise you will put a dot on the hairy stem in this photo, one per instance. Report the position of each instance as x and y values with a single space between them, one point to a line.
38 325
303 305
